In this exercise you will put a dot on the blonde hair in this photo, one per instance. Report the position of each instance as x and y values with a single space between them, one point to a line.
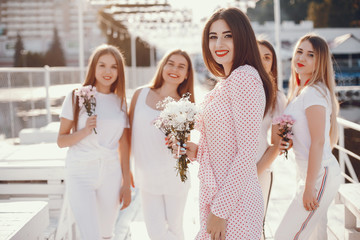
186 86
323 73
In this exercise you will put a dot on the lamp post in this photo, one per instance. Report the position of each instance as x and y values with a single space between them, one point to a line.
81 38
278 42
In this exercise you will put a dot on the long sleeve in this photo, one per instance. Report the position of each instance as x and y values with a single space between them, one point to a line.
247 101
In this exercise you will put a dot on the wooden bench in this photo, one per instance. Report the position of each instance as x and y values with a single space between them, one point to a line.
37 173
349 195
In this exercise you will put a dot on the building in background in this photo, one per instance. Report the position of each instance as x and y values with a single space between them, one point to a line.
35 21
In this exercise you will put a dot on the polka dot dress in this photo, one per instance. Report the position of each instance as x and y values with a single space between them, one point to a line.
229 125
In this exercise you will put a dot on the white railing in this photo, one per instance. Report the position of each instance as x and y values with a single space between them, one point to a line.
31 97
344 153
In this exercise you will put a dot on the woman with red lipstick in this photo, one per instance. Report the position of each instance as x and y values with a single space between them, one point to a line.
267 153
97 165
163 195
231 203
313 105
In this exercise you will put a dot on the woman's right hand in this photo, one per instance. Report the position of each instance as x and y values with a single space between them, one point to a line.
189 148
90 124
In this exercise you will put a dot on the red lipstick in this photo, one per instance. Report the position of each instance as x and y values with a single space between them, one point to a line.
221 53
300 65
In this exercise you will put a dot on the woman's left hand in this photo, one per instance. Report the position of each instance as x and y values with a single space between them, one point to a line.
285 145
216 227
309 199
125 196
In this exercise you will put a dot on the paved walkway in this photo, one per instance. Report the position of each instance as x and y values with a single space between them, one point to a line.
130 224
282 191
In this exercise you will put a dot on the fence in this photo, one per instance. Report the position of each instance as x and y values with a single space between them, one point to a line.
344 153
32 97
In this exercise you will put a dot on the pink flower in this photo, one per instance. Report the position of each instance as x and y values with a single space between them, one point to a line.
289 135
285 123
86 95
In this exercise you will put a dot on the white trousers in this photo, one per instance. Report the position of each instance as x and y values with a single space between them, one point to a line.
299 224
93 188
163 215
266 180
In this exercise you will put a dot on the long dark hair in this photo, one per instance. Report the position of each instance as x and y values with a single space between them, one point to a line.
273 71
245 48
118 87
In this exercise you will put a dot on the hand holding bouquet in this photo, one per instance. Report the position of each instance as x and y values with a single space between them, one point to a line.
87 99
285 123
177 119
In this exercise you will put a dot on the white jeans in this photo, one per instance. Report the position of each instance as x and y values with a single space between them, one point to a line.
163 215
299 224
93 187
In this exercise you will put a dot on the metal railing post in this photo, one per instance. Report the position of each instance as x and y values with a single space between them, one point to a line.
341 153
32 104
12 122
47 99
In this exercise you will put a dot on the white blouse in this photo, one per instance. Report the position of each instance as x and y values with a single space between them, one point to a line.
265 133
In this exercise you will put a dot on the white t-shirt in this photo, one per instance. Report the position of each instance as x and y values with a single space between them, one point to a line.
310 96
111 121
264 136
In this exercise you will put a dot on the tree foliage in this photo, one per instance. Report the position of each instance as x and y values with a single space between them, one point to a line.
34 59
123 41
19 48
55 55
324 13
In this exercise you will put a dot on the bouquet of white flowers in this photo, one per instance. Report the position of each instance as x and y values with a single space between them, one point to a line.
87 99
177 119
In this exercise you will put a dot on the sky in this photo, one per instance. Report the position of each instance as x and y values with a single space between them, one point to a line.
202 8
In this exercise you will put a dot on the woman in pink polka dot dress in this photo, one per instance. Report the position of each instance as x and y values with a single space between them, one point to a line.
231 202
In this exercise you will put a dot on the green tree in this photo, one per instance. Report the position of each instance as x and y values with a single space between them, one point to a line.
319 13
55 55
34 59
293 10
343 13
19 48
123 41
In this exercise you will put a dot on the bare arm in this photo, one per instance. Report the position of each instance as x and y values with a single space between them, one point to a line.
125 191
271 152
316 116
67 139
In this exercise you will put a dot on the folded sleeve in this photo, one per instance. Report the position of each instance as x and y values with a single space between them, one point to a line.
67 108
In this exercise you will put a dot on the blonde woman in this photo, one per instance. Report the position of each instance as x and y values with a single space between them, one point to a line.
313 105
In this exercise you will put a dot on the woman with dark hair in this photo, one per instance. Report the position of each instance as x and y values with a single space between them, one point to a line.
97 165
163 195
313 105
268 152
231 203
